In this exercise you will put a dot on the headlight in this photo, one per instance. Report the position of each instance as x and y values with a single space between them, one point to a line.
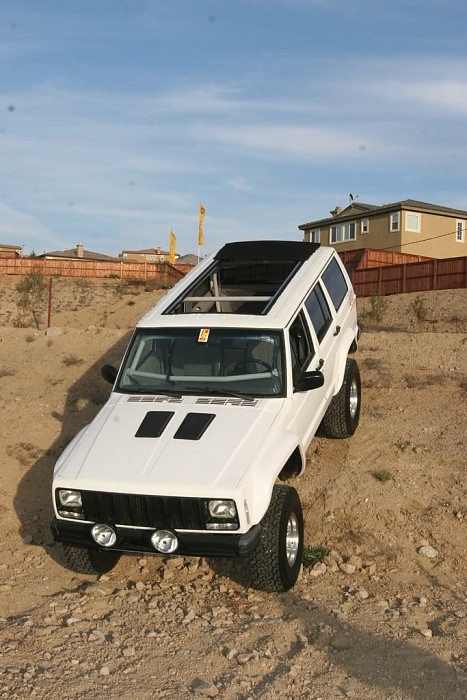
70 499
69 504
222 509
221 515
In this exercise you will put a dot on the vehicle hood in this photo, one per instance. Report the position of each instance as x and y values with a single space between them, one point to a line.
184 448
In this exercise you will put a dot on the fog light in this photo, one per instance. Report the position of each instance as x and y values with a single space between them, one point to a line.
164 541
104 535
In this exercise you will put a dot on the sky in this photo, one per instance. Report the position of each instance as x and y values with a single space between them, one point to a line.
118 117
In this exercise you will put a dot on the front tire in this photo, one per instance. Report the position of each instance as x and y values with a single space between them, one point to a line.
89 561
275 563
341 418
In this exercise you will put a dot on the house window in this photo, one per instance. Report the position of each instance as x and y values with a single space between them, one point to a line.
365 226
349 231
312 235
343 232
412 222
150 257
460 230
394 222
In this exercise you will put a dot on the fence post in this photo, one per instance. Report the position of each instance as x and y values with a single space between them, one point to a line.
49 303
404 277
435 274
380 277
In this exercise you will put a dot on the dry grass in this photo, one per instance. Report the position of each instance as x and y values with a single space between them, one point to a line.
72 360
7 372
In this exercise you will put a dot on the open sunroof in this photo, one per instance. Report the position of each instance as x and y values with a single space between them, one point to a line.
244 278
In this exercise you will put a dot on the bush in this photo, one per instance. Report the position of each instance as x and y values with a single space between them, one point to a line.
378 306
419 310
31 295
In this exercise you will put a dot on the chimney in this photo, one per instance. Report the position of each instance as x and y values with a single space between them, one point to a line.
79 250
158 250
335 212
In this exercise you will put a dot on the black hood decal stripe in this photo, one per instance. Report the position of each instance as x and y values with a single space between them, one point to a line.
193 426
154 423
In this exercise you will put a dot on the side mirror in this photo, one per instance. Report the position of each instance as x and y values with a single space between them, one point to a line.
109 373
309 381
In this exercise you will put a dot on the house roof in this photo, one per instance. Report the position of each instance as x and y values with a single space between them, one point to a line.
10 247
147 251
189 259
73 254
360 209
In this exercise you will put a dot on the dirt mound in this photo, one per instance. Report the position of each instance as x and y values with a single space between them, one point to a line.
384 615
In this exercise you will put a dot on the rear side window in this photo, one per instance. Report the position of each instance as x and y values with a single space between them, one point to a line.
335 283
318 309
301 349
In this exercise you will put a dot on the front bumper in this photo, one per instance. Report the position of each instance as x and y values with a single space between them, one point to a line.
197 544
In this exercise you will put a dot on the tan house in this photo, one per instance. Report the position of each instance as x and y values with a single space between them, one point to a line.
10 251
148 255
406 227
78 253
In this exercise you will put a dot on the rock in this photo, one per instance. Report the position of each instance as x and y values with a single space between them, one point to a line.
104 671
426 632
347 568
354 560
428 551
128 651
243 659
53 332
97 637
230 653
318 569
203 688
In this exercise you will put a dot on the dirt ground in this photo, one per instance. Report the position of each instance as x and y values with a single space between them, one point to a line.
383 617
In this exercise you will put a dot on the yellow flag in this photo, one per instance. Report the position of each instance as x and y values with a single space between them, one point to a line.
173 247
202 212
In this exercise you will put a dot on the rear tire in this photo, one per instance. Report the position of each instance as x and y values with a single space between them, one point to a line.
341 418
89 561
275 563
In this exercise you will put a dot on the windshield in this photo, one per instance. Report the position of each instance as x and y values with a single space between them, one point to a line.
204 361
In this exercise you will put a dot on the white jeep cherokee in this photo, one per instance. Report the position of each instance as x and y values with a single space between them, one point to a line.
223 386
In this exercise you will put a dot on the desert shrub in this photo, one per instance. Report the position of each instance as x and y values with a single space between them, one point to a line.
383 476
373 363
378 307
71 360
313 555
31 295
413 381
418 309
7 372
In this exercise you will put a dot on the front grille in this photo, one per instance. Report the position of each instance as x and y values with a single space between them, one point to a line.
144 511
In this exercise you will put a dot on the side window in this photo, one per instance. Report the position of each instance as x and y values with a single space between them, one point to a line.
318 309
335 283
301 349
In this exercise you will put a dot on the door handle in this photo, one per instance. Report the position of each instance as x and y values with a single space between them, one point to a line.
337 331
320 364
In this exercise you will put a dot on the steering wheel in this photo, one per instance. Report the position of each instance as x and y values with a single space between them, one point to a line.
243 365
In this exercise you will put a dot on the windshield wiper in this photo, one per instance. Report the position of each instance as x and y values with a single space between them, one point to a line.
233 394
153 390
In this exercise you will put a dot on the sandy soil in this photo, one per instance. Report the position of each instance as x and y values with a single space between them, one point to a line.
379 620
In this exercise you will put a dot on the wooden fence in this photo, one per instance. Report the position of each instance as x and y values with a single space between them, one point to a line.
367 268
428 275
166 273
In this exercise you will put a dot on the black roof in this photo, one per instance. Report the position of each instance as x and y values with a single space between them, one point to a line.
267 250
